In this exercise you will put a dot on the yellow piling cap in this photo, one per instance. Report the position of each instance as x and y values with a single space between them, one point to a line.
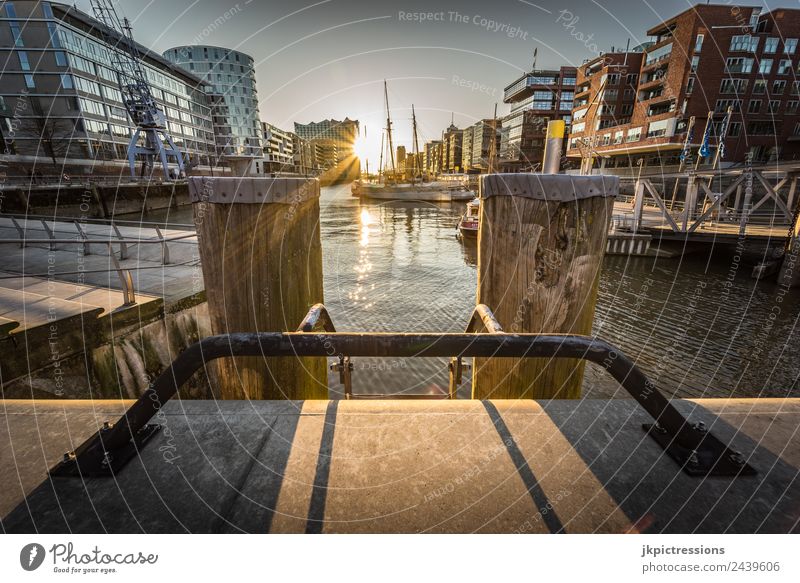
555 128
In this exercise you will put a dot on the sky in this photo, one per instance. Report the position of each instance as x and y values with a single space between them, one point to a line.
318 59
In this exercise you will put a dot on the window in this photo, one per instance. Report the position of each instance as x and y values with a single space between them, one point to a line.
733 86
24 64
66 81
29 82
612 79
761 128
796 131
771 45
658 128
734 129
744 42
61 59
618 137
658 54
790 46
795 88
773 106
93 107
690 85
784 67
759 87
754 106
765 66
739 65
632 79
47 10
778 87
698 43
695 63
722 105
791 106
634 135
606 139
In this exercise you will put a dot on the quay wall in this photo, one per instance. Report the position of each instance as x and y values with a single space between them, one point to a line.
104 359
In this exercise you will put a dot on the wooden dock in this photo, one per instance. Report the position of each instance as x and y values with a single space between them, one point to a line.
521 466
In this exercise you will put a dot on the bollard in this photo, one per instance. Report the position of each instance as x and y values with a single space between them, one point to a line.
541 243
261 256
553 147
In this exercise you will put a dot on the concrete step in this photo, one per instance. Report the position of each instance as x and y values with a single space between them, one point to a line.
32 310
6 326
109 300
575 466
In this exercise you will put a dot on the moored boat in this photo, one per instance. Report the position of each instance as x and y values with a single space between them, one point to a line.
470 220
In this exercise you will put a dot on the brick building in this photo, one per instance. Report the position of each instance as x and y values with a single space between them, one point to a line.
705 59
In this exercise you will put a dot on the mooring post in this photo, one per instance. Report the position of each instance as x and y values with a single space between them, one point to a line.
261 257
540 247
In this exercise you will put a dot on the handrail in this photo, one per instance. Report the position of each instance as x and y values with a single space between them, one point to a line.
698 451
486 316
317 314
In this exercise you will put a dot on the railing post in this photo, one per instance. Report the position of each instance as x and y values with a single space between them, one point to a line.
540 247
261 256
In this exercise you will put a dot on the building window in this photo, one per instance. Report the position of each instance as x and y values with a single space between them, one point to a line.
765 66
778 87
61 59
791 106
761 128
695 64
771 45
634 135
722 105
774 104
632 79
29 82
738 65
754 106
698 43
736 86
784 66
759 87
745 43
795 88
66 81
734 129
24 64
612 79
690 85
790 46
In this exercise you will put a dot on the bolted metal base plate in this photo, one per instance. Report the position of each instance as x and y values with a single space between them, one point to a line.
711 458
77 463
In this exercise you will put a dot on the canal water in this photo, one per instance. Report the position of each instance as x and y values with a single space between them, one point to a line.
697 326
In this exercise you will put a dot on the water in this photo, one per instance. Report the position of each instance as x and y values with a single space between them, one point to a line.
697 327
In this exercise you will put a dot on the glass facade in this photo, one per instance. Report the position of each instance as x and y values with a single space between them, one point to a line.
231 80
67 76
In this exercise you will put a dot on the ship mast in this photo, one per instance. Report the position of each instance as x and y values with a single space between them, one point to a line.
389 126
415 147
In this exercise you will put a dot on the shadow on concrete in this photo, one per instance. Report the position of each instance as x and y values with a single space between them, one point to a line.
652 490
538 496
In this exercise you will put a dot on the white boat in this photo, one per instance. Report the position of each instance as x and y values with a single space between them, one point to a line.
427 192
470 220
392 185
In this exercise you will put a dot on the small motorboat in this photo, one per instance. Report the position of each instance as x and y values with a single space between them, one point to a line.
469 221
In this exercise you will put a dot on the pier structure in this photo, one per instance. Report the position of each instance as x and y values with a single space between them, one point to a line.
741 201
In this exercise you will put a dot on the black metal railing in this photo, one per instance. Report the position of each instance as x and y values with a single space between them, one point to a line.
696 450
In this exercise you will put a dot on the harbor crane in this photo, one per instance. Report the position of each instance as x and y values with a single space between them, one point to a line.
137 95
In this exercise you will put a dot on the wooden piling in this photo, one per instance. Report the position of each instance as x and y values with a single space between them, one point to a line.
540 247
261 257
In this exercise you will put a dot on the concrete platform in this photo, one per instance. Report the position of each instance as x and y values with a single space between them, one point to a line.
400 466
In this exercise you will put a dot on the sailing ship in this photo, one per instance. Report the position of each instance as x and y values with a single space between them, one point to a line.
393 185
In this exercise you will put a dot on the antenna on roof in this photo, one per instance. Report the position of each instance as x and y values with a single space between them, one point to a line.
535 52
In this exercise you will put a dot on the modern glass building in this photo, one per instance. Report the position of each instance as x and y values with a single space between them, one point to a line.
231 80
60 102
